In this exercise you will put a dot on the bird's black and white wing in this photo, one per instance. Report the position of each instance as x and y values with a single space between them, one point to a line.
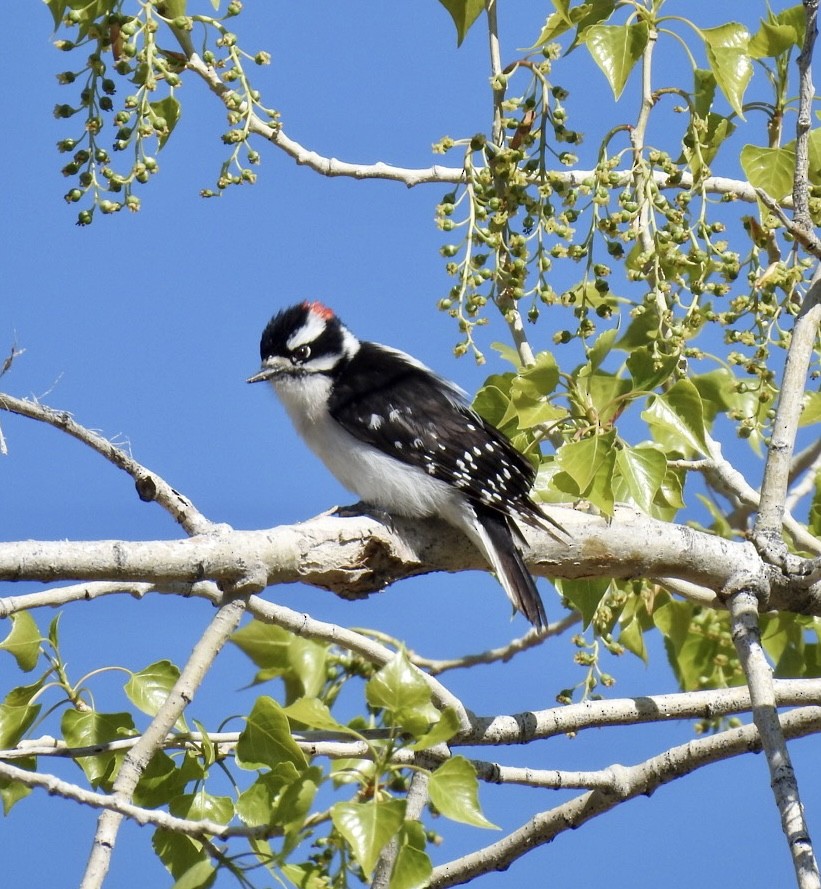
421 420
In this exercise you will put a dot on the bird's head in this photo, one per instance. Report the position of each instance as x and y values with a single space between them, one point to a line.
304 339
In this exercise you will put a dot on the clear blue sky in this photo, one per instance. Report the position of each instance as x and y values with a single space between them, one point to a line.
145 327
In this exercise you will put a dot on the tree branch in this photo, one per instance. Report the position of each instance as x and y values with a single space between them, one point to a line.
329 166
629 782
803 123
149 485
355 556
774 488
137 759
746 633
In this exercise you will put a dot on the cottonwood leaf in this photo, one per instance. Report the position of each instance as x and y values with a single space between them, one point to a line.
398 686
266 739
585 595
88 728
677 418
368 827
640 472
464 13
412 869
23 642
727 48
770 169
200 876
148 690
454 790
616 49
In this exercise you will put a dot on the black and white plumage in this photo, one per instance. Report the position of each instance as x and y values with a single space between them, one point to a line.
403 439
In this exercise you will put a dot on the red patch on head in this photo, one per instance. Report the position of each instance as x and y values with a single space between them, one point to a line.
318 309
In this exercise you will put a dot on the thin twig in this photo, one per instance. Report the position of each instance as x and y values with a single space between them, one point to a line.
785 426
150 486
628 783
803 123
137 759
503 653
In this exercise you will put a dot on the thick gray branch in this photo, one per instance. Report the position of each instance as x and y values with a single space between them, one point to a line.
355 556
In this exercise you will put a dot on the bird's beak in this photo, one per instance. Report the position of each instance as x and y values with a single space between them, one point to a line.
266 373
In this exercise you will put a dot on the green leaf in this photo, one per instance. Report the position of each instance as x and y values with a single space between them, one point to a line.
704 91
454 790
88 728
165 778
307 659
814 520
580 17
701 144
771 169
443 730
631 637
177 852
585 595
255 804
265 644
586 469
607 392
649 369
293 803
266 739
727 48
148 690
58 10
529 391
17 713
779 33
677 419
412 868
771 40
23 642
492 401
640 473
398 686
368 827
11 791
311 712
464 13
199 876
201 806
811 410
616 49
601 348
167 109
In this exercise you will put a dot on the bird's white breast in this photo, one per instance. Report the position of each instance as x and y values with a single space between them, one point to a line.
374 476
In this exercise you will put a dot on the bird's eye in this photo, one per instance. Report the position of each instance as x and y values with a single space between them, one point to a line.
301 354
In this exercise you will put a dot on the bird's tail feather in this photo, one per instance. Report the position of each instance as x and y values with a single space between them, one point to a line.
493 536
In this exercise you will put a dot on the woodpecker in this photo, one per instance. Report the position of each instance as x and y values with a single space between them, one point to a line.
403 439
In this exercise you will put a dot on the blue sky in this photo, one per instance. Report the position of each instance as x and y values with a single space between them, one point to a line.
145 327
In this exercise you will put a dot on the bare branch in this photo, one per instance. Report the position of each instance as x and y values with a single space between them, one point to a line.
356 555
628 783
150 486
112 803
743 605
502 654
785 425
803 124
137 759
804 236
